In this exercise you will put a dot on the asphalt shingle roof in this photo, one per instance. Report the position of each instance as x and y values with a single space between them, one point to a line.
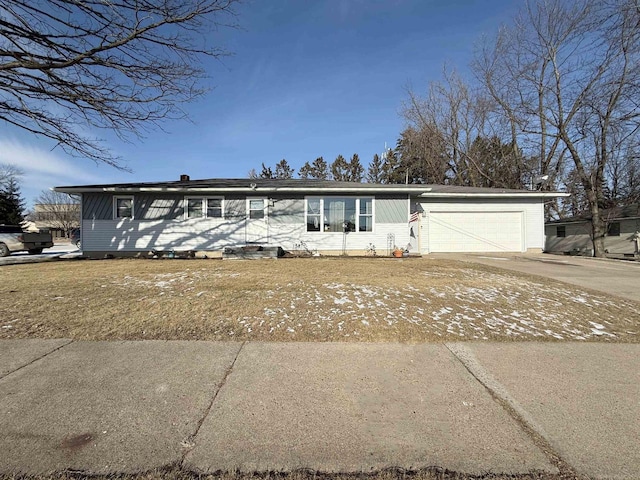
298 184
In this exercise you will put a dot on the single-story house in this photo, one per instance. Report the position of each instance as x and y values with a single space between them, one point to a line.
313 215
574 235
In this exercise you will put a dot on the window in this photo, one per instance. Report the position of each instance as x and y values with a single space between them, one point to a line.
214 208
366 215
256 208
561 231
339 214
313 215
123 207
613 229
204 207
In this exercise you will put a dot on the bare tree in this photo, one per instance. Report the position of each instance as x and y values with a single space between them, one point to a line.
122 65
57 210
452 118
567 74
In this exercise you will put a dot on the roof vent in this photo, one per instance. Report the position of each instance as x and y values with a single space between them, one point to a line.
184 178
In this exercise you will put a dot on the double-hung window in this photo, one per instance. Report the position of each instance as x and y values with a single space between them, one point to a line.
339 214
204 207
123 207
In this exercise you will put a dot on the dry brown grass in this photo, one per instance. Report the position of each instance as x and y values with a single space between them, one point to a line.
177 473
311 299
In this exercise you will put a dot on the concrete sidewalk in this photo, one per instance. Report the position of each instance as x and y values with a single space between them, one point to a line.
104 407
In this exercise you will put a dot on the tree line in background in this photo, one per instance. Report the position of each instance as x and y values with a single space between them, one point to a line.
552 104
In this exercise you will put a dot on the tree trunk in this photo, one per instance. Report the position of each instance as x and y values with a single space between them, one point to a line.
598 227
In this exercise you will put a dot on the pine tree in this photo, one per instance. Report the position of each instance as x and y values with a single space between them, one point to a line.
283 170
391 172
305 171
266 172
11 202
374 172
356 170
317 170
340 169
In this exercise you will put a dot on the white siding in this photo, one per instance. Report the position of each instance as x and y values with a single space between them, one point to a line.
530 210
215 234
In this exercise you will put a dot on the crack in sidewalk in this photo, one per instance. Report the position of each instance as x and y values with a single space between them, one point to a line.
36 359
189 442
523 418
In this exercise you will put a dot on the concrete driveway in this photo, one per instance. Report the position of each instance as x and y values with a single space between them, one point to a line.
616 277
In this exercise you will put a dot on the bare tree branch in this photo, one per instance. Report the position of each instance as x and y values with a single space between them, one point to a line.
67 67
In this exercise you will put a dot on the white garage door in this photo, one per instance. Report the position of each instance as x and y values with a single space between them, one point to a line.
475 232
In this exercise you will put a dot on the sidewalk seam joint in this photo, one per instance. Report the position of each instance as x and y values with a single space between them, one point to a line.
512 408
36 359
191 438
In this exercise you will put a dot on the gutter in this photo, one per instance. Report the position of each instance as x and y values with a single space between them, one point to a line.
187 189
524 193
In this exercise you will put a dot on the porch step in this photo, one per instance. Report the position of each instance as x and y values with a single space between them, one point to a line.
252 252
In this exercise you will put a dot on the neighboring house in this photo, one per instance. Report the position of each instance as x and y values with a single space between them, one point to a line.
313 215
574 235
59 218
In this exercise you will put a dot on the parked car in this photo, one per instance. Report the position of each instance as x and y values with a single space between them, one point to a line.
74 238
13 239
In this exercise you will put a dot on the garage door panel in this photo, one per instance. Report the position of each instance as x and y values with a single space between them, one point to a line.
475 232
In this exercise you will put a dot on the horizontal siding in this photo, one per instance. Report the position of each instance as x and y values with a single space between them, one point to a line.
132 235
578 238
532 210
215 234
287 211
235 208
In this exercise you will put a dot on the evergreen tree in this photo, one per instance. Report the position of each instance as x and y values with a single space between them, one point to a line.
340 169
305 171
266 172
11 202
374 172
318 170
391 171
283 170
356 170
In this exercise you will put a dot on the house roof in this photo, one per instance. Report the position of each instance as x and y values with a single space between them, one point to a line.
631 211
310 186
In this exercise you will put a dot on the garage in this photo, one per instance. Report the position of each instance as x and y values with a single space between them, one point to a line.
477 231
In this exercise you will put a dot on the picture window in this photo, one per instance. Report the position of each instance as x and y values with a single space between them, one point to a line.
339 214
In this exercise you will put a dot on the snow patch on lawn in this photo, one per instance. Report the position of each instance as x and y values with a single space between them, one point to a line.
481 305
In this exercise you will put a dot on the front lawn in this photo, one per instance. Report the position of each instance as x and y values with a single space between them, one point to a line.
308 299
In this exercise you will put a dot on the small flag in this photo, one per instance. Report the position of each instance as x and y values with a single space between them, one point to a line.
415 216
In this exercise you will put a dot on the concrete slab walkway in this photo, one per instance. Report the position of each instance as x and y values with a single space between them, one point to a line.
108 407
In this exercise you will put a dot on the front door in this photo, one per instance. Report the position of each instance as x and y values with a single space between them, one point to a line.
257 230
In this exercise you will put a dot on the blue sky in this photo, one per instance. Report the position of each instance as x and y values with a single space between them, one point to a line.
307 79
